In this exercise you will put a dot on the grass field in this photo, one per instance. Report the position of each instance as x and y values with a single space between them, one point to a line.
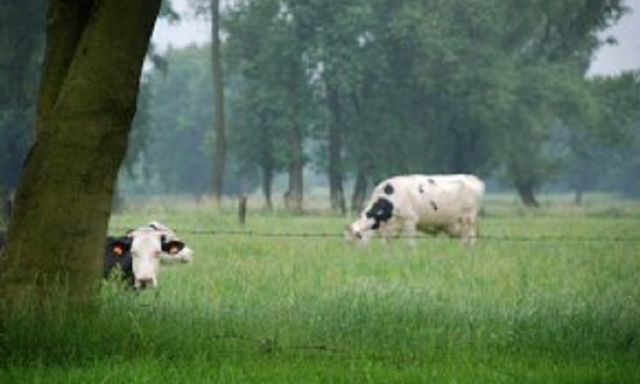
305 310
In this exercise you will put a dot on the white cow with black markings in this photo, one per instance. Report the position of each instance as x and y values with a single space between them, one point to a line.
403 205
140 252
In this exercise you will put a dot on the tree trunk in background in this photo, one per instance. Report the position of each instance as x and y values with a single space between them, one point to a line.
267 180
219 118
267 163
336 190
359 193
294 195
93 63
267 170
525 190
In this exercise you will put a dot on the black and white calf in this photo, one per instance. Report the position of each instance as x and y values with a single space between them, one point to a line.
403 205
138 254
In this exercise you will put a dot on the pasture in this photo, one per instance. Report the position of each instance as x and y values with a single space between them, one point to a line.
562 308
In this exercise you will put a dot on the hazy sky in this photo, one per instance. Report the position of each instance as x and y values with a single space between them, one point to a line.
608 60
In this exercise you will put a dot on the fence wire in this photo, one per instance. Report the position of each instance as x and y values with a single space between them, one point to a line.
328 235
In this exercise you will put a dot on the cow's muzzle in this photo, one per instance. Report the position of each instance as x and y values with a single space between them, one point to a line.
145 283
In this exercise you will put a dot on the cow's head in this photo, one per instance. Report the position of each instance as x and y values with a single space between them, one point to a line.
184 256
146 247
361 230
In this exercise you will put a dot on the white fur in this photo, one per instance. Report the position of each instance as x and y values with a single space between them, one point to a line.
146 249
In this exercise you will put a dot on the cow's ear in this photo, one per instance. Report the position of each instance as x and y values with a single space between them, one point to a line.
172 247
120 247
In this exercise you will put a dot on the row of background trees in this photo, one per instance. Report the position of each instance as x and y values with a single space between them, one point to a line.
359 90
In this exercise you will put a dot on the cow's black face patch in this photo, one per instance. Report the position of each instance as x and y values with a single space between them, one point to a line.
388 189
171 247
381 211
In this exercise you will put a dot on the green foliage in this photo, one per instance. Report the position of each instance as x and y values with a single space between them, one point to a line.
314 309
264 50
172 135
450 86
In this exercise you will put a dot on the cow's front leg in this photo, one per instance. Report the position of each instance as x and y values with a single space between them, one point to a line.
387 233
409 231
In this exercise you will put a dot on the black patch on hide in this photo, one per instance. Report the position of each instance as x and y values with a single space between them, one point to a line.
381 211
388 189
119 260
433 205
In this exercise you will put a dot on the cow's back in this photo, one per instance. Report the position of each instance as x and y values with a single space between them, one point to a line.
433 199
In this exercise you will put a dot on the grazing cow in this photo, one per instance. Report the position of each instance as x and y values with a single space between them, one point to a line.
403 205
139 253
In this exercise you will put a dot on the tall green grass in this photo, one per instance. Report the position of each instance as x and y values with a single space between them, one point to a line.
263 309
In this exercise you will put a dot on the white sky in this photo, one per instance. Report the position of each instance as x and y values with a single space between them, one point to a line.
609 60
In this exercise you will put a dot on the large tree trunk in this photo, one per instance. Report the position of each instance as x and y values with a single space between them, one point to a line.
294 195
336 191
88 97
525 190
359 193
219 122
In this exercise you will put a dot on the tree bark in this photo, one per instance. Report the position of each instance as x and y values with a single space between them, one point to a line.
528 198
359 193
88 97
219 119
336 191
66 24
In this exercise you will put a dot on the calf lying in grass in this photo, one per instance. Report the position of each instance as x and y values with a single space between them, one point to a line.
138 254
